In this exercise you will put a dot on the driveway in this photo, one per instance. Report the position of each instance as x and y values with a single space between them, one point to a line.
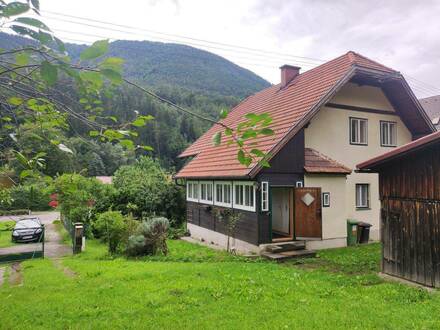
54 247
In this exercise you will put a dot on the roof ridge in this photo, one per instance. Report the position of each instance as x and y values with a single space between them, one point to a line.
352 56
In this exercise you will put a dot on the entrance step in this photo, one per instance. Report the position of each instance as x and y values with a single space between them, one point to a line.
284 247
283 256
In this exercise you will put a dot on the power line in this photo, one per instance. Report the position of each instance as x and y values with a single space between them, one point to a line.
188 38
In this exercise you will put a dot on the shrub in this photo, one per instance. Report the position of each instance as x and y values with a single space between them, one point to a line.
80 198
34 196
150 239
5 198
146 190
111 226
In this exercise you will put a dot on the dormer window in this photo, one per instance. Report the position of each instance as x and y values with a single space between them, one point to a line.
358 131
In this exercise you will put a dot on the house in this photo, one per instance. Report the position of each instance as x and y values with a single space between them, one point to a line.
326 120
409 178
105 179
431 105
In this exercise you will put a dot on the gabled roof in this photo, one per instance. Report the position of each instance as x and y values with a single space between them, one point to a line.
290 107
413 146
431 105
316 162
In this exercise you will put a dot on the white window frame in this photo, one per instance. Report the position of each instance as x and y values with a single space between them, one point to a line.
385 126
264 196
206 201
358 205
325 199
223 184
242 206
194 184
299 184
357 138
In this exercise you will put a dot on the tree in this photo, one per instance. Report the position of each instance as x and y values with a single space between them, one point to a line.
30 92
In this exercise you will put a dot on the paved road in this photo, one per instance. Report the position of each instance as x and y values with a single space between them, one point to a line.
54 247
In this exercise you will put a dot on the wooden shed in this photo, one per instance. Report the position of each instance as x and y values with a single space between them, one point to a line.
409 184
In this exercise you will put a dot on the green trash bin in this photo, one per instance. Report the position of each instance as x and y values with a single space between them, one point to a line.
352 235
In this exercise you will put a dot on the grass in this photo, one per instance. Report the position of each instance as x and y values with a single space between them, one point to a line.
195 287
5 233
64 234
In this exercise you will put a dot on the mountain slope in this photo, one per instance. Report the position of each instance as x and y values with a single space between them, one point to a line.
162 64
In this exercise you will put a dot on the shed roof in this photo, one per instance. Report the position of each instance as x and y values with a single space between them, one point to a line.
290 107
316 162
413 146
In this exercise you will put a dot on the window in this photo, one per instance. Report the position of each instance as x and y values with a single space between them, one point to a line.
299 184
244 196
388 134
223 194
192 191
206 192
362 196
264 196
358 131
326 199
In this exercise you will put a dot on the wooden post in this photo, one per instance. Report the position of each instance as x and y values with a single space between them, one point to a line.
78 234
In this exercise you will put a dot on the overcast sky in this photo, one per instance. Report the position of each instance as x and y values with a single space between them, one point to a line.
402 34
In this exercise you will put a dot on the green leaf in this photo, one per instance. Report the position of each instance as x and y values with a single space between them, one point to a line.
127 144
228 132
139 122
98 49
83 100
44 38
241 156
266 131
113 63
249 134
112 75
26 173
32 22
22 58
64 148
92 77
49 73
6 118
257 152
223 114
217 138
15 8
15 100
264 163
93 133
146 148
36 4
24 31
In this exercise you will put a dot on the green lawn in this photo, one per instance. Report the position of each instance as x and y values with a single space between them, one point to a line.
5 233
197 288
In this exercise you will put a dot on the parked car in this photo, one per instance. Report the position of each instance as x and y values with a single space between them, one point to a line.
27 230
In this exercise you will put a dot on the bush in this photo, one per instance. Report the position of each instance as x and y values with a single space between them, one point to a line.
32 196
80 198
111 226
150 239
5 198
146 190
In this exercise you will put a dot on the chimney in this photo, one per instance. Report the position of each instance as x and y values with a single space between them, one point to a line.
288 73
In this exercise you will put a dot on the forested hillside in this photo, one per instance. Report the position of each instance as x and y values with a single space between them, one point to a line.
198 80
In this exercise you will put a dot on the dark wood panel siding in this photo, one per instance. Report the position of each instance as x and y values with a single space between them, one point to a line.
202 215
290 159
410 229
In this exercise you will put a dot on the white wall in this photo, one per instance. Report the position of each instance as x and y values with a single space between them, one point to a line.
328 133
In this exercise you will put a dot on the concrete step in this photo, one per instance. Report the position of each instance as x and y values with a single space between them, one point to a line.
283 256
287 246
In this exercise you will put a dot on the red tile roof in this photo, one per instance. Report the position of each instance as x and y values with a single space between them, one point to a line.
289 108
315 162
400 151
105 179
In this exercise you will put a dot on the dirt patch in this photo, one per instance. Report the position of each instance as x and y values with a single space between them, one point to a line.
2 274
66 270
16 276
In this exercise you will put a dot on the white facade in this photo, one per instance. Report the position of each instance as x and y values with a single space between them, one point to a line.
329 133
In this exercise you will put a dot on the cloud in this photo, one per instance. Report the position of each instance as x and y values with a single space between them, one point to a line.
402 34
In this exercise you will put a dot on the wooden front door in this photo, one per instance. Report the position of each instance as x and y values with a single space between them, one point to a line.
308 221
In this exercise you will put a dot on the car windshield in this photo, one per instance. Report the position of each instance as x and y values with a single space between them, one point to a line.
27 223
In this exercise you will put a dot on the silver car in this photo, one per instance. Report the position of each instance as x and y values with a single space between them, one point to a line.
27 230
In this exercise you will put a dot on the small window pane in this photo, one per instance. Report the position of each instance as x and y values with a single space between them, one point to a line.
362 196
